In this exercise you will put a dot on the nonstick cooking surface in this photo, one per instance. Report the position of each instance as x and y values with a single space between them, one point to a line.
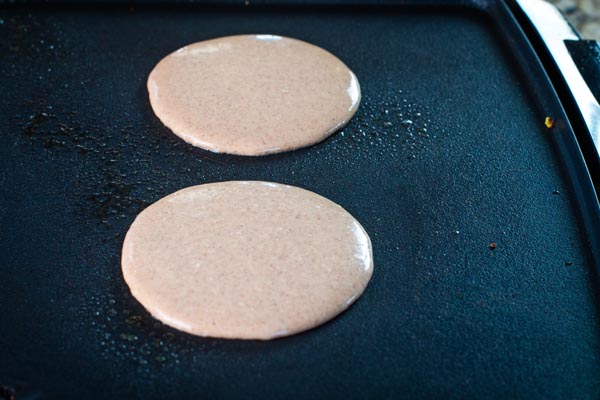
447 154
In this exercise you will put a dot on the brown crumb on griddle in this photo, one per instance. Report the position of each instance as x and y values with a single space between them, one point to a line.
7 393
169 336
493 246
549 122
134 320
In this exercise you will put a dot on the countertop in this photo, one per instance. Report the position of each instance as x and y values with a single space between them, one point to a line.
583 14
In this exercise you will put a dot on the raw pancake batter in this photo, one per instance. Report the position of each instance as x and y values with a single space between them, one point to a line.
253 94
248 260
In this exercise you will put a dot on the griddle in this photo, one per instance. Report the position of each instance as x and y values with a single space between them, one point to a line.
484 221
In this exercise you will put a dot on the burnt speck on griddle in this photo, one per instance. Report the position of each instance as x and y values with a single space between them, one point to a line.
387 124
7 392
556 192
493 246
568 263
134 320
169 336
19 390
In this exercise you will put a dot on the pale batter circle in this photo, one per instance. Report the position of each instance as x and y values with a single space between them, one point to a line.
246 260
253 94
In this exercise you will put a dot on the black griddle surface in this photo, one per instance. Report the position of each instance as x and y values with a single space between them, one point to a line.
81 153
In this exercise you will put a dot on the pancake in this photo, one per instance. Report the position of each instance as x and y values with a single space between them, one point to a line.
253 94
246 260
